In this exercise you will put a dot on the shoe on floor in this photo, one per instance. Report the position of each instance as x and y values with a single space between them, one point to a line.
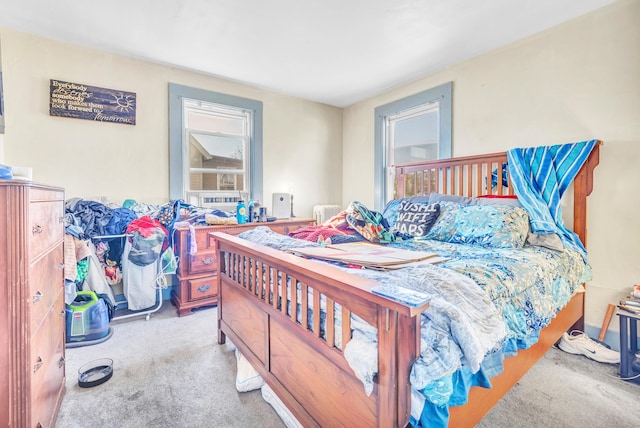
579 343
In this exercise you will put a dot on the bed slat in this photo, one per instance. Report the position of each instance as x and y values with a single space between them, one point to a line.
316 313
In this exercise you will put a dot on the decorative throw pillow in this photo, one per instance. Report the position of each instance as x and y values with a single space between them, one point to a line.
390 211
551 241
510 201
483 225
416 220
439 197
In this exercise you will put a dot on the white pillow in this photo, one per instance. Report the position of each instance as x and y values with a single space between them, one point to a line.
247 378
285 414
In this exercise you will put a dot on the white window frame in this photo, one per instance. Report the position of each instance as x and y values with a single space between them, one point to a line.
383 174
390 122
254 158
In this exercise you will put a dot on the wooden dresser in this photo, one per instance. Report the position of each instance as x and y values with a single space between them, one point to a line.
197 274
32 316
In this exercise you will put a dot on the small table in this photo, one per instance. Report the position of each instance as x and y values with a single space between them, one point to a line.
628 343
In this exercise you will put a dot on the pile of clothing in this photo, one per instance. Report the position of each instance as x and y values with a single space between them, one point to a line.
129 244
106 244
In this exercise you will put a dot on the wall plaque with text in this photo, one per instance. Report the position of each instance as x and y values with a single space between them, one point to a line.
91 102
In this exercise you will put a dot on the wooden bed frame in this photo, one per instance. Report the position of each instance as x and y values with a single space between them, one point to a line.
307 369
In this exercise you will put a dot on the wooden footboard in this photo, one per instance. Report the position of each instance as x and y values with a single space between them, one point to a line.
304 365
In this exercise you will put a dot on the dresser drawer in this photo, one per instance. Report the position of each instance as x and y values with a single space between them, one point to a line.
40 194
45 284
202 288
203 262
46 226
47 364
47 398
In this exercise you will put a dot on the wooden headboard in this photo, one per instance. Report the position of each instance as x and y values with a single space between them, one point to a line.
469 176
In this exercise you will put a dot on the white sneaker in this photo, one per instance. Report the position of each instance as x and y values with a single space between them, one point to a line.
579 343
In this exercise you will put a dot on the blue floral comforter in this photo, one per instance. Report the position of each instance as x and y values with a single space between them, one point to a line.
528 286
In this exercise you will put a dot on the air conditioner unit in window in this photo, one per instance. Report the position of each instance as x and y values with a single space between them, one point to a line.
224 201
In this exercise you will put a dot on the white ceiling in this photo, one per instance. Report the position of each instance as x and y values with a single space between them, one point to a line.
336 52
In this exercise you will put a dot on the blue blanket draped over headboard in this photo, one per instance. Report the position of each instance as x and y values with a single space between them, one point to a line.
540 176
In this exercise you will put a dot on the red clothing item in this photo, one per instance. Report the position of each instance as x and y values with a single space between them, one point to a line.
145 226
313 233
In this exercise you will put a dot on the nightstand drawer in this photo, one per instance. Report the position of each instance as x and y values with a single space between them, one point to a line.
203 262
203 287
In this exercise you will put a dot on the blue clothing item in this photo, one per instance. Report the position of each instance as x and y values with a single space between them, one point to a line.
6 172
91 216
437 415
343 239
120 219
505 176
540 176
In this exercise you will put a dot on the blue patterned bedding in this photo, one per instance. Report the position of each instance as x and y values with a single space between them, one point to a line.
527 285
486 304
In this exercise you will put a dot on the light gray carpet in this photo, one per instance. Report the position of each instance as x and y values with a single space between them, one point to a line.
167 372
170 372
568 391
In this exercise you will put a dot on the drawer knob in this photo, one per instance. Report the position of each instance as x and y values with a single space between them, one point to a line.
38 364
37 297
208 261
63 313
61 362
60 266
204 288
36 229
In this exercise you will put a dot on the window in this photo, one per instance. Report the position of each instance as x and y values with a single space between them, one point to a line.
215 147
411 129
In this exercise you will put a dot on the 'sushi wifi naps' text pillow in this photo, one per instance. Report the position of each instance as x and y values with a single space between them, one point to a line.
415 220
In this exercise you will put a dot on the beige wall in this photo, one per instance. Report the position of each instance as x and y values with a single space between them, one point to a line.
574 82
302 139
578 81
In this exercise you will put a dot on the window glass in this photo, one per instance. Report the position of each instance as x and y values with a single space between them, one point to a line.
217 148
216 152
413 135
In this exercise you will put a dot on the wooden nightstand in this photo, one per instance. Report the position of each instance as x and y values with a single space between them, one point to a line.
197 273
